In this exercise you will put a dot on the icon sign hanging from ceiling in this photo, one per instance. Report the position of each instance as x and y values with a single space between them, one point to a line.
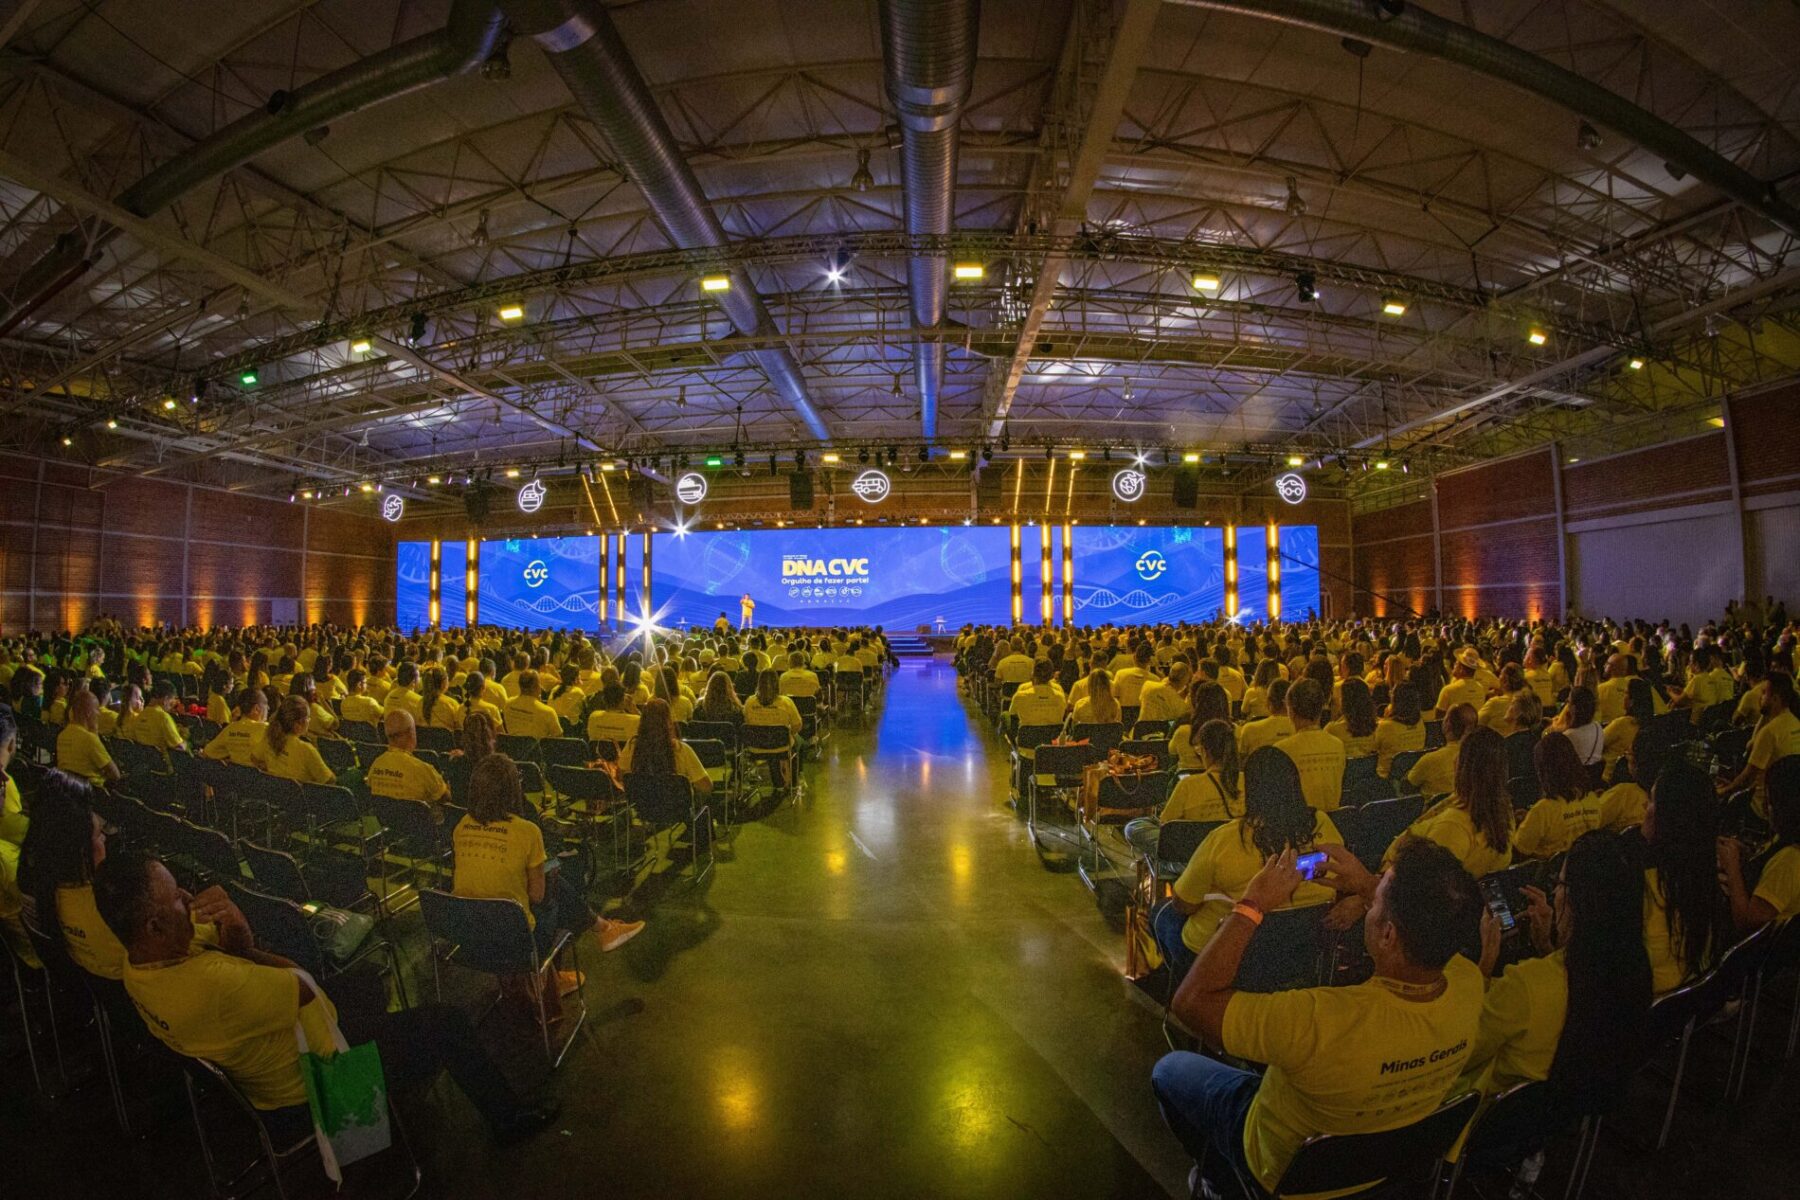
872 486
690 488
393 506
1128 485
1291 487
531 496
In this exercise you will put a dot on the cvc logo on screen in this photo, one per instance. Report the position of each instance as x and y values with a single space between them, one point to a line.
1151 565
536 573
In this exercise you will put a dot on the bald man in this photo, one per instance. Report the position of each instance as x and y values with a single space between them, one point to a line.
400 774
79 750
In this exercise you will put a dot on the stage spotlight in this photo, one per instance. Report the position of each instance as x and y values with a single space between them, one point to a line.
1005 441
738 458
1306 287
248 377
959 455
416 331
862 456
771 464
987 454
1536 336
893 456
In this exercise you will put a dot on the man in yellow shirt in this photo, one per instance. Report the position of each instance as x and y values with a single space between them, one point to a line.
1777 736
238 1006
1128 684
1341 1060
1463 687
1435 773
1707 685
528 716
399 774
1266 731
797 680
79 750
404 695
1010 667
1166 699
155 725
239 741
1318 755
357 704
1614 690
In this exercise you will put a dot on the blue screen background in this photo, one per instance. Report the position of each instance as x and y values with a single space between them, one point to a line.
412 585
1299 571
916 576
1112 587
453 584
1253 573
568 597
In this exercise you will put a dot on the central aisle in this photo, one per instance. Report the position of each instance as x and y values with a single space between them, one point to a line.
881 993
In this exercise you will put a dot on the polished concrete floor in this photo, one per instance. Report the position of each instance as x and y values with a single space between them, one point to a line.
880 992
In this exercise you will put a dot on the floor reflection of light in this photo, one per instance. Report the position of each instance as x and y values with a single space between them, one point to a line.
735 1090
862 768
925 771
971 1107
836 861
962 872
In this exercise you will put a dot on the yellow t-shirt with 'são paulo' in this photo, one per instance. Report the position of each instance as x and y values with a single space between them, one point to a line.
79 751
1449 825
1222 867
398 775
1320 759
1552 825
1521 1022
492 860
238 1014
1779 886
238 742
1348 1059
90 943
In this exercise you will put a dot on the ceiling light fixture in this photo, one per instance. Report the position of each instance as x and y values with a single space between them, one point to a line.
1205 281
715 283
1536 336
968 271
511 312
1393 306
1306 287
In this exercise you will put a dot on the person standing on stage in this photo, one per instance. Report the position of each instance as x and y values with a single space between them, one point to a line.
748 606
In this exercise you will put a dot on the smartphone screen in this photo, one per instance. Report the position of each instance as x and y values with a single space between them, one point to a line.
311 909
1311 866
1496 902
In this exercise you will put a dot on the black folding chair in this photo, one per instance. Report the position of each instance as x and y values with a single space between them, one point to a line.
1102 737
665 803
1288 952
1359 1164
1361 783
1378 824
1056 769
1400 768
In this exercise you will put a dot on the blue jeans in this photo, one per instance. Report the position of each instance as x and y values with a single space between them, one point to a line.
1167 925
1205 1104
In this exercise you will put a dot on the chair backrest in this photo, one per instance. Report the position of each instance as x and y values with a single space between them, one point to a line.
409 821
1128 714
1378 824
718 731
1524 1115
1286 952
1718 716
1520 747
581 783
1361 783
564 751
1401 767
1065 762
329 803
710 751
1030 737
768 737
360 731
1349 1163
275 872
211 849
1152 731
282 927
1159 750
1103 737
531 778
338 754
489 935
519 747
1176 841
659 800
1136 791
1730 746
1524 790
432 737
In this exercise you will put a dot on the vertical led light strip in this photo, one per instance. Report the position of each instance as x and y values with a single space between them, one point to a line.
1274 542
472 580
1231 576
619 581
1044 562
1018 597
644 581
1068 575
437 583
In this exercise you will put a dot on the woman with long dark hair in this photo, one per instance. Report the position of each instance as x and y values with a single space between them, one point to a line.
1356 727
438 709
1475 821
1576 1015
720 703
769 707
1682 911
1276 818
657 751
1210 794
1568 807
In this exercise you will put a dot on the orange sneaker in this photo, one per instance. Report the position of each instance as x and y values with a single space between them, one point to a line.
613 934
569 981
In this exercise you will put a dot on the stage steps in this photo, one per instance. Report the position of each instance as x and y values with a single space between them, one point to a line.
905 645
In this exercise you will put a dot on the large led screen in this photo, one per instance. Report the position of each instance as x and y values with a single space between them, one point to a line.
1137 575
453 584
412 585
541 583
898 578
1299 572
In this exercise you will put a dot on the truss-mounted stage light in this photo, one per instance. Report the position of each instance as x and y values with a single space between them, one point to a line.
415 332
248 378
715 283
830 458
1536 336
958 455
968 272
361 346
1306 287
1635 363
1205 281
1393 306
510 312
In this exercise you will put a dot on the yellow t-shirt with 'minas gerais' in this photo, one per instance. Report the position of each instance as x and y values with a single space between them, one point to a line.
1357 1059
492 860
1552 825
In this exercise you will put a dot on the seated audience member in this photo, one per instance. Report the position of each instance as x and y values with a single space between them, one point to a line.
1039 702
1256 702
1475 821
13 821
398 773
1464 687
657 751
1622 731
1708 683
155 725
1495 712
719 704
1010 665
1574 1015
616 720
1340 1060
526 715
1128 684
1356 728
216 686
1210 794
1166 699
238 742
666 686
1577 723
1318 755
1207 702
239 1007
1435 773
1099 706
1776 896
404 695
79 750
570 697
285 753
322 722
500 854
1777 737
768 707
66 843
1276 818
438 709
1400 731
799 679
1681 907
1569 806
357 704
1266 731
476 692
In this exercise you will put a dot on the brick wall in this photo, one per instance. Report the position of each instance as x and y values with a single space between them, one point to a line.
75 544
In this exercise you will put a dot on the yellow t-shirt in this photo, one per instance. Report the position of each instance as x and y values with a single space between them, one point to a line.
1354 747
1461 691
1161 701
780 713
1521 1022
1611 695
361 706
1543 683
398 775
1255 703
1391 738
797 681
218 709
13 821
237 742
526 716
567 704
1035 705
1187 757
1449 825
404 700
238 1014
298 760
1320 758
1779 886
446 713
1707 689
1619 736
1493 714
492 860
1667 971
1774 740
1623 805
1128 685
90 943
607 725
687 763
1552 825
1254 735
154 727
1198 797
1222 867
481 705
79 751
1348 1059
1435 773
